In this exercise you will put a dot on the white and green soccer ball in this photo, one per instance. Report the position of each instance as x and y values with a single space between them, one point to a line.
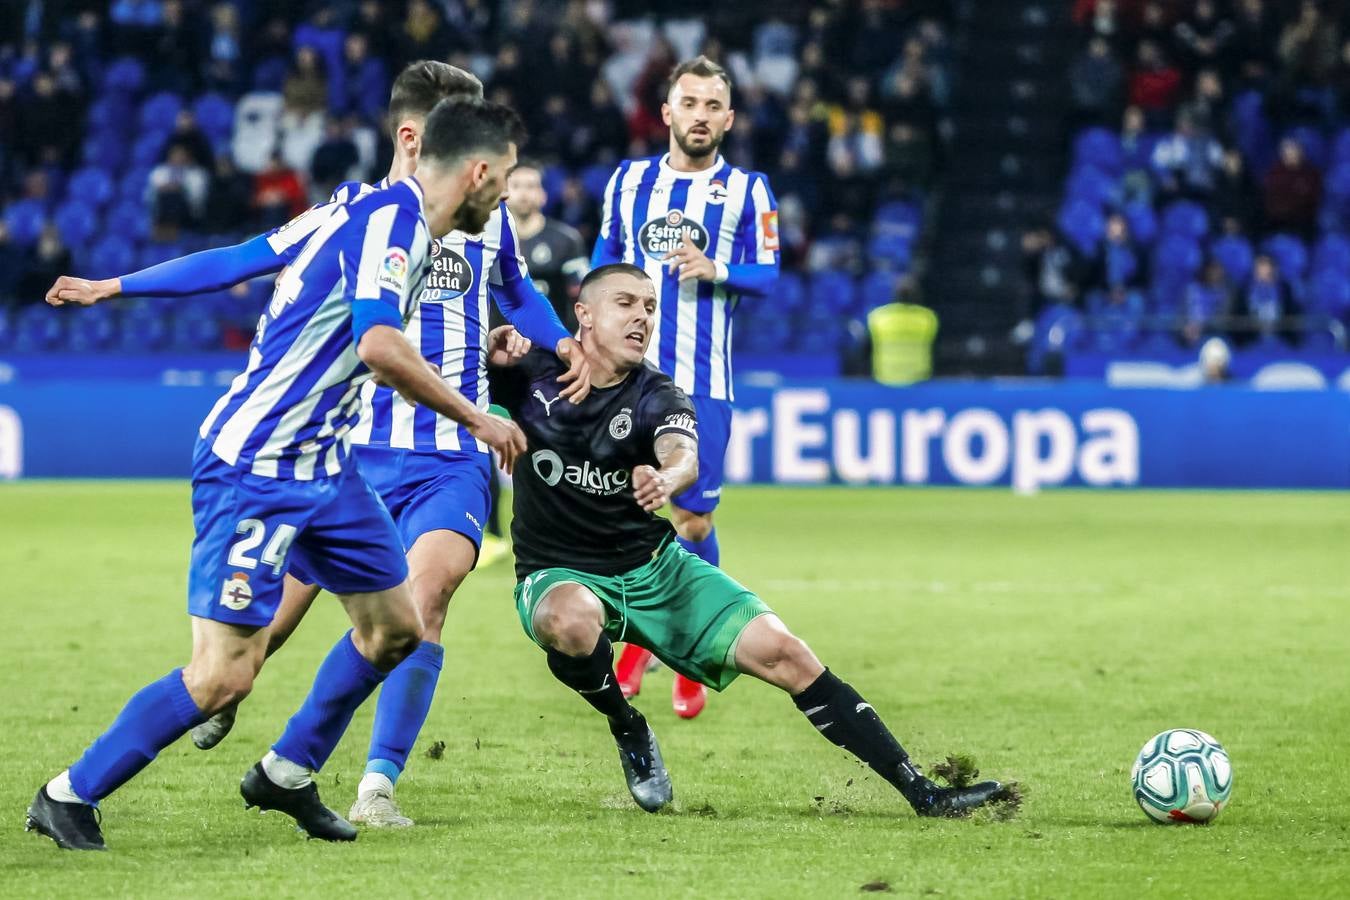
1182 775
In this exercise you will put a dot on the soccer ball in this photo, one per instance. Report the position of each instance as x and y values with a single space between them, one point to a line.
1182 775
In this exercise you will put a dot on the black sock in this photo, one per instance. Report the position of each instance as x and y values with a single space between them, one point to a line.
847 720
494 522
592 676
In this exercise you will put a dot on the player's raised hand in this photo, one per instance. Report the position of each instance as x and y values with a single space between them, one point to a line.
501 435
689 261
506 346
82 291
578 374
651 488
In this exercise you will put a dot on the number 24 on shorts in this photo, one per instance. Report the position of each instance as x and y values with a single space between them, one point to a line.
254 532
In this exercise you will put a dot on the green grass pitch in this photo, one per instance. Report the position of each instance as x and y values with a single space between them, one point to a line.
1049 636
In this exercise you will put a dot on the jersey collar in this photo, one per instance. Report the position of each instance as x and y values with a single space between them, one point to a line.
416 188
701 174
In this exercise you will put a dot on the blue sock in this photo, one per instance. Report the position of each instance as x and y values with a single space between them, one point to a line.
705 549
155 716
344 680
404 703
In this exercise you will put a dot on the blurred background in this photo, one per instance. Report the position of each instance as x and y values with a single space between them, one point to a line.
1118 195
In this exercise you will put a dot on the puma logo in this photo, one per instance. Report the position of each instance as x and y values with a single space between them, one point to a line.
548 404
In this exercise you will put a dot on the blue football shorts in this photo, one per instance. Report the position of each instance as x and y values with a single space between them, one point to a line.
251 529
714 433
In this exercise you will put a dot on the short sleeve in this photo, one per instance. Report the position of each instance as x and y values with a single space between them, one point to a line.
379 255
668 410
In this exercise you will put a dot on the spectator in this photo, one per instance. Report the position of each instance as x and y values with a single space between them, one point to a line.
272 52
177 189
365 81
335 160
1208 103
424 34
1096 82
1235 199
224 67
1309 46
49 260
229 200
1251 52
1052 268
1267 295
1292 191
1137 146
1155 83
1187 162
602 136
1117 314
306 88
13 264
278 193
372 24
175 48
577 208
46 128
1208 301
189 134
1117 262
1204 35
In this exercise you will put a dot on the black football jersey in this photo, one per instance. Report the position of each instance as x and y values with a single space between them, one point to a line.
574 505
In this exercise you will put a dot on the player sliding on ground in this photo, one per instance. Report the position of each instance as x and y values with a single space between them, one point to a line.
595 563
273 481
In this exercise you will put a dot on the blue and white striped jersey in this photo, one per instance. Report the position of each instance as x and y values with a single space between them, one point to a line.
450 329
733 218
290 413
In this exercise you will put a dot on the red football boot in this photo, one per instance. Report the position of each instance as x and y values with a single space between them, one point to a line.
630 669
688 697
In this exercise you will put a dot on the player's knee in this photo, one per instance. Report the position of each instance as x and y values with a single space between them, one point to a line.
214 687
569 626
695 528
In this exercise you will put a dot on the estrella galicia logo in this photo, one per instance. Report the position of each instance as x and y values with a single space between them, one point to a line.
660 236
450 278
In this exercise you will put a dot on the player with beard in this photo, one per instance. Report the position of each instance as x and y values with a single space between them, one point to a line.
706 233
595 564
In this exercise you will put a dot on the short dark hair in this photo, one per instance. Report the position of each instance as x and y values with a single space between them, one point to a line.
700 66
423 84
602 272
456 128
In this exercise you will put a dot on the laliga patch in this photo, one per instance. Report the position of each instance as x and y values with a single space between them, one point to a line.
768 223
394 270
662 235
236 594
621 425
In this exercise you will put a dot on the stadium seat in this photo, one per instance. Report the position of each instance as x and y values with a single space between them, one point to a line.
25 220
132 186
1340 148
143 328
152 253
256 118
1092 186
876 289
1099 148
890 251
76 222
91 329
128 218
148 150
105 149
1313 143
215 116
1235 254
789 294
194 331
91 185
126 75
109 112
159 111
1177 255
37 328
1329 293
1083 224
595 179
899 217
1332 252
1290 255
1143 222
111 256
6 329
1186 219
832 292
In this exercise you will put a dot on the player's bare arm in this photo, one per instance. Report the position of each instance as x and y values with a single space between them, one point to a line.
678 456
82 291
689 261
389 355
506 346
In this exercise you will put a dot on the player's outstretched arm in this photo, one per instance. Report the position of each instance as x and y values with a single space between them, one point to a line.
678 456
393 360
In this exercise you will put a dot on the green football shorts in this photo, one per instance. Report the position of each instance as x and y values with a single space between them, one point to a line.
686 611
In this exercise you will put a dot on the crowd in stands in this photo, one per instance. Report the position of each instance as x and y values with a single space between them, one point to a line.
133 131
1209 193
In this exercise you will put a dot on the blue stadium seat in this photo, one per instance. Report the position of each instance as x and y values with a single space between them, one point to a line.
1290 255
832 292
159 111
890 251
1235 254
1082 223
109 112
595 178
144 328
91 185
1340 148
1177 255
215 115
1186 219
25 220
1058 328
111 256
1143 222
898 217
193 331
789 294
1099 148
37 329
153 253
1092 186
1156 341
1329 293
91 329
1332 252
76 221
6 329
129 218
132 185
126 75
876 289
553 179
106 150
149 148
1313 143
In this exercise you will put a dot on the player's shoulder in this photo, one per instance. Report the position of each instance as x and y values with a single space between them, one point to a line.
635 166
349 191
651 382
